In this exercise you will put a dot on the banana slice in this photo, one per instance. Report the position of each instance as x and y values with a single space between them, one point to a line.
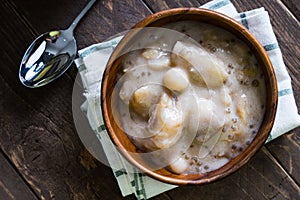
156 59
143 98
208 65
165 122
242 108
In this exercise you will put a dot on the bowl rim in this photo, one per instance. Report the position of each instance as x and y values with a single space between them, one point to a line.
238 161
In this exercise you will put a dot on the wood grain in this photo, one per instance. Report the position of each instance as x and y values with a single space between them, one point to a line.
286 151
156 5
254 181
105 18
11 184
293 7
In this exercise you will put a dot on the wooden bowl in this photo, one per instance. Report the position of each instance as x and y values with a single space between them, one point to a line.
110 78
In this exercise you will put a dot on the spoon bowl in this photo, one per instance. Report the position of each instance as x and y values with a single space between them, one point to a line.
47 58
50 55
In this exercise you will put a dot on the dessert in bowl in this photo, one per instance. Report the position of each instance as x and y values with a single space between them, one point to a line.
188 96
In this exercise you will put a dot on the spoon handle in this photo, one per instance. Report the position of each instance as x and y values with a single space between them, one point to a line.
82 13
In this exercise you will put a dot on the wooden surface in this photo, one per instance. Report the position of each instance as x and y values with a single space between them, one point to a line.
41 155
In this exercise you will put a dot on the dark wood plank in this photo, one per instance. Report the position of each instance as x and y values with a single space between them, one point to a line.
293 6
259 179
157 5
44 15
11 184
37 129
284 150
105 18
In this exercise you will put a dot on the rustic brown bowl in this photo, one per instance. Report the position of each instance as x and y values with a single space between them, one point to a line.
110 78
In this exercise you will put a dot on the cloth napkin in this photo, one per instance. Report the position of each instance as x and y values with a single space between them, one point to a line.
91 64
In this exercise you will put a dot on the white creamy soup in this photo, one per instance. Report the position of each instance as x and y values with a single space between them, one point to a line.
201 98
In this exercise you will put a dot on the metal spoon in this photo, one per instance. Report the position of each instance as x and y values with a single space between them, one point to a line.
50 55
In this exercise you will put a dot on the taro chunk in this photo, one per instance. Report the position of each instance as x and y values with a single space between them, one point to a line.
126 91
179 166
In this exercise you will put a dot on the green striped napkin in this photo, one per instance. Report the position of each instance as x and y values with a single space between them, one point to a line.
91 64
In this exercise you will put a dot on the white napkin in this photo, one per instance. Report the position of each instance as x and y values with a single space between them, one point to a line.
91 64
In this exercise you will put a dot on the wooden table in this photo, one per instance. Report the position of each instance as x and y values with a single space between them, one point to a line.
41 155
